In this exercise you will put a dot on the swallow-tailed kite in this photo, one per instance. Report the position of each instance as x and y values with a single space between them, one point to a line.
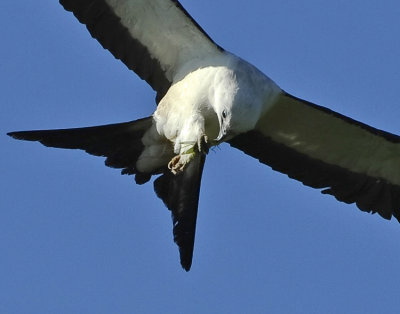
207 96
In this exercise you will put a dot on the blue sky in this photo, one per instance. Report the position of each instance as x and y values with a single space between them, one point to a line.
76 237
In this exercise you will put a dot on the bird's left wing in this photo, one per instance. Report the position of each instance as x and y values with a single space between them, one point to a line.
323 149
157 39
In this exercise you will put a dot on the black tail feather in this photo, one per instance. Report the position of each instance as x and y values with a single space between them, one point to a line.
180 193
121 143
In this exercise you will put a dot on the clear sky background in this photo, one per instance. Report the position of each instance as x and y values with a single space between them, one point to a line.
77 237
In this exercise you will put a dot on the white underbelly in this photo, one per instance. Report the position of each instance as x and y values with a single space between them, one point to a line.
187 110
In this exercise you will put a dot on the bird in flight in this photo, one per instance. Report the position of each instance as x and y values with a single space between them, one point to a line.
205 96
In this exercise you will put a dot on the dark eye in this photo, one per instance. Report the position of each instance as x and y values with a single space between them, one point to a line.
224 114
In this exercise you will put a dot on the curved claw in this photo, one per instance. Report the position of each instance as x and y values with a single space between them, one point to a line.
202 144
178 162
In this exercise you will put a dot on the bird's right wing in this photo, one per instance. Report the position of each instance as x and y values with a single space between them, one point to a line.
323 149
154 38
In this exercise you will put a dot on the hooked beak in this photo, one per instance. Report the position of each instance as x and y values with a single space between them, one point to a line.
222 134
222 129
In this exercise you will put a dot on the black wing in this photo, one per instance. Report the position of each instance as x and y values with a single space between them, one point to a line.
326 150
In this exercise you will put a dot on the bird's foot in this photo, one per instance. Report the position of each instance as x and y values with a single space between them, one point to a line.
178 163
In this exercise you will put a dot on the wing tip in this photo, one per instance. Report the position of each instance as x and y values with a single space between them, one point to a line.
19 135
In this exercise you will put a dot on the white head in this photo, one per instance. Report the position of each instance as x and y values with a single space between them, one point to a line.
236 118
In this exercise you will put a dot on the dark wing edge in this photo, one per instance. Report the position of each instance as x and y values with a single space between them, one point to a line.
121 143
371 193
180 193
105 26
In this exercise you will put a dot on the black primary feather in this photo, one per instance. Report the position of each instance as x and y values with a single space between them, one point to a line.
370 194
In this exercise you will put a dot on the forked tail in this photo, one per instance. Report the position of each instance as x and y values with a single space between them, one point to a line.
122 145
